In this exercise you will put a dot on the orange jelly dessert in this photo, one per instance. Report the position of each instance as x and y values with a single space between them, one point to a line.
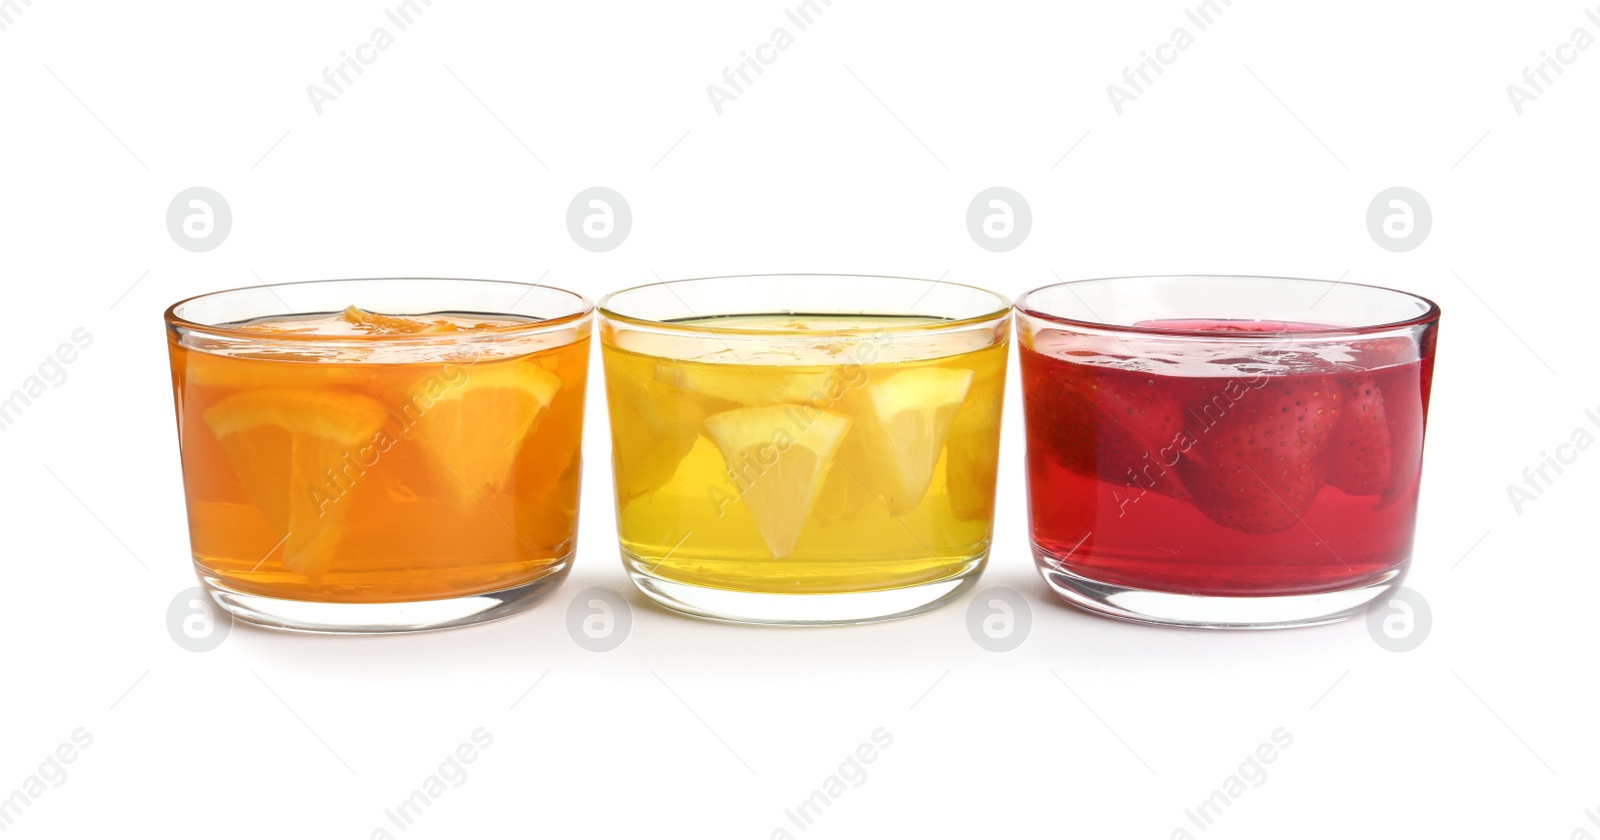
358 457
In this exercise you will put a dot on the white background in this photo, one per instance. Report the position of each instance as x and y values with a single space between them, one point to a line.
1257 151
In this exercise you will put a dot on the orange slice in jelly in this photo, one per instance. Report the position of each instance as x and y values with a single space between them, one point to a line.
381 324
287 448
474 424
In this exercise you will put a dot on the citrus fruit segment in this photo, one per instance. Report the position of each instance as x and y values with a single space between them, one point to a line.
652 428
845 494
474 428
287 447
742 385
904 422
972 454
376 324
777 455
280 369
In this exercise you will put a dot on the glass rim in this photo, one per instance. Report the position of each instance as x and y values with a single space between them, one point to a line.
1429 316
582 309
608 313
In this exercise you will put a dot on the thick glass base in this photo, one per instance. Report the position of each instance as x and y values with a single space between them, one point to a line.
808 609
397 617
1217 612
